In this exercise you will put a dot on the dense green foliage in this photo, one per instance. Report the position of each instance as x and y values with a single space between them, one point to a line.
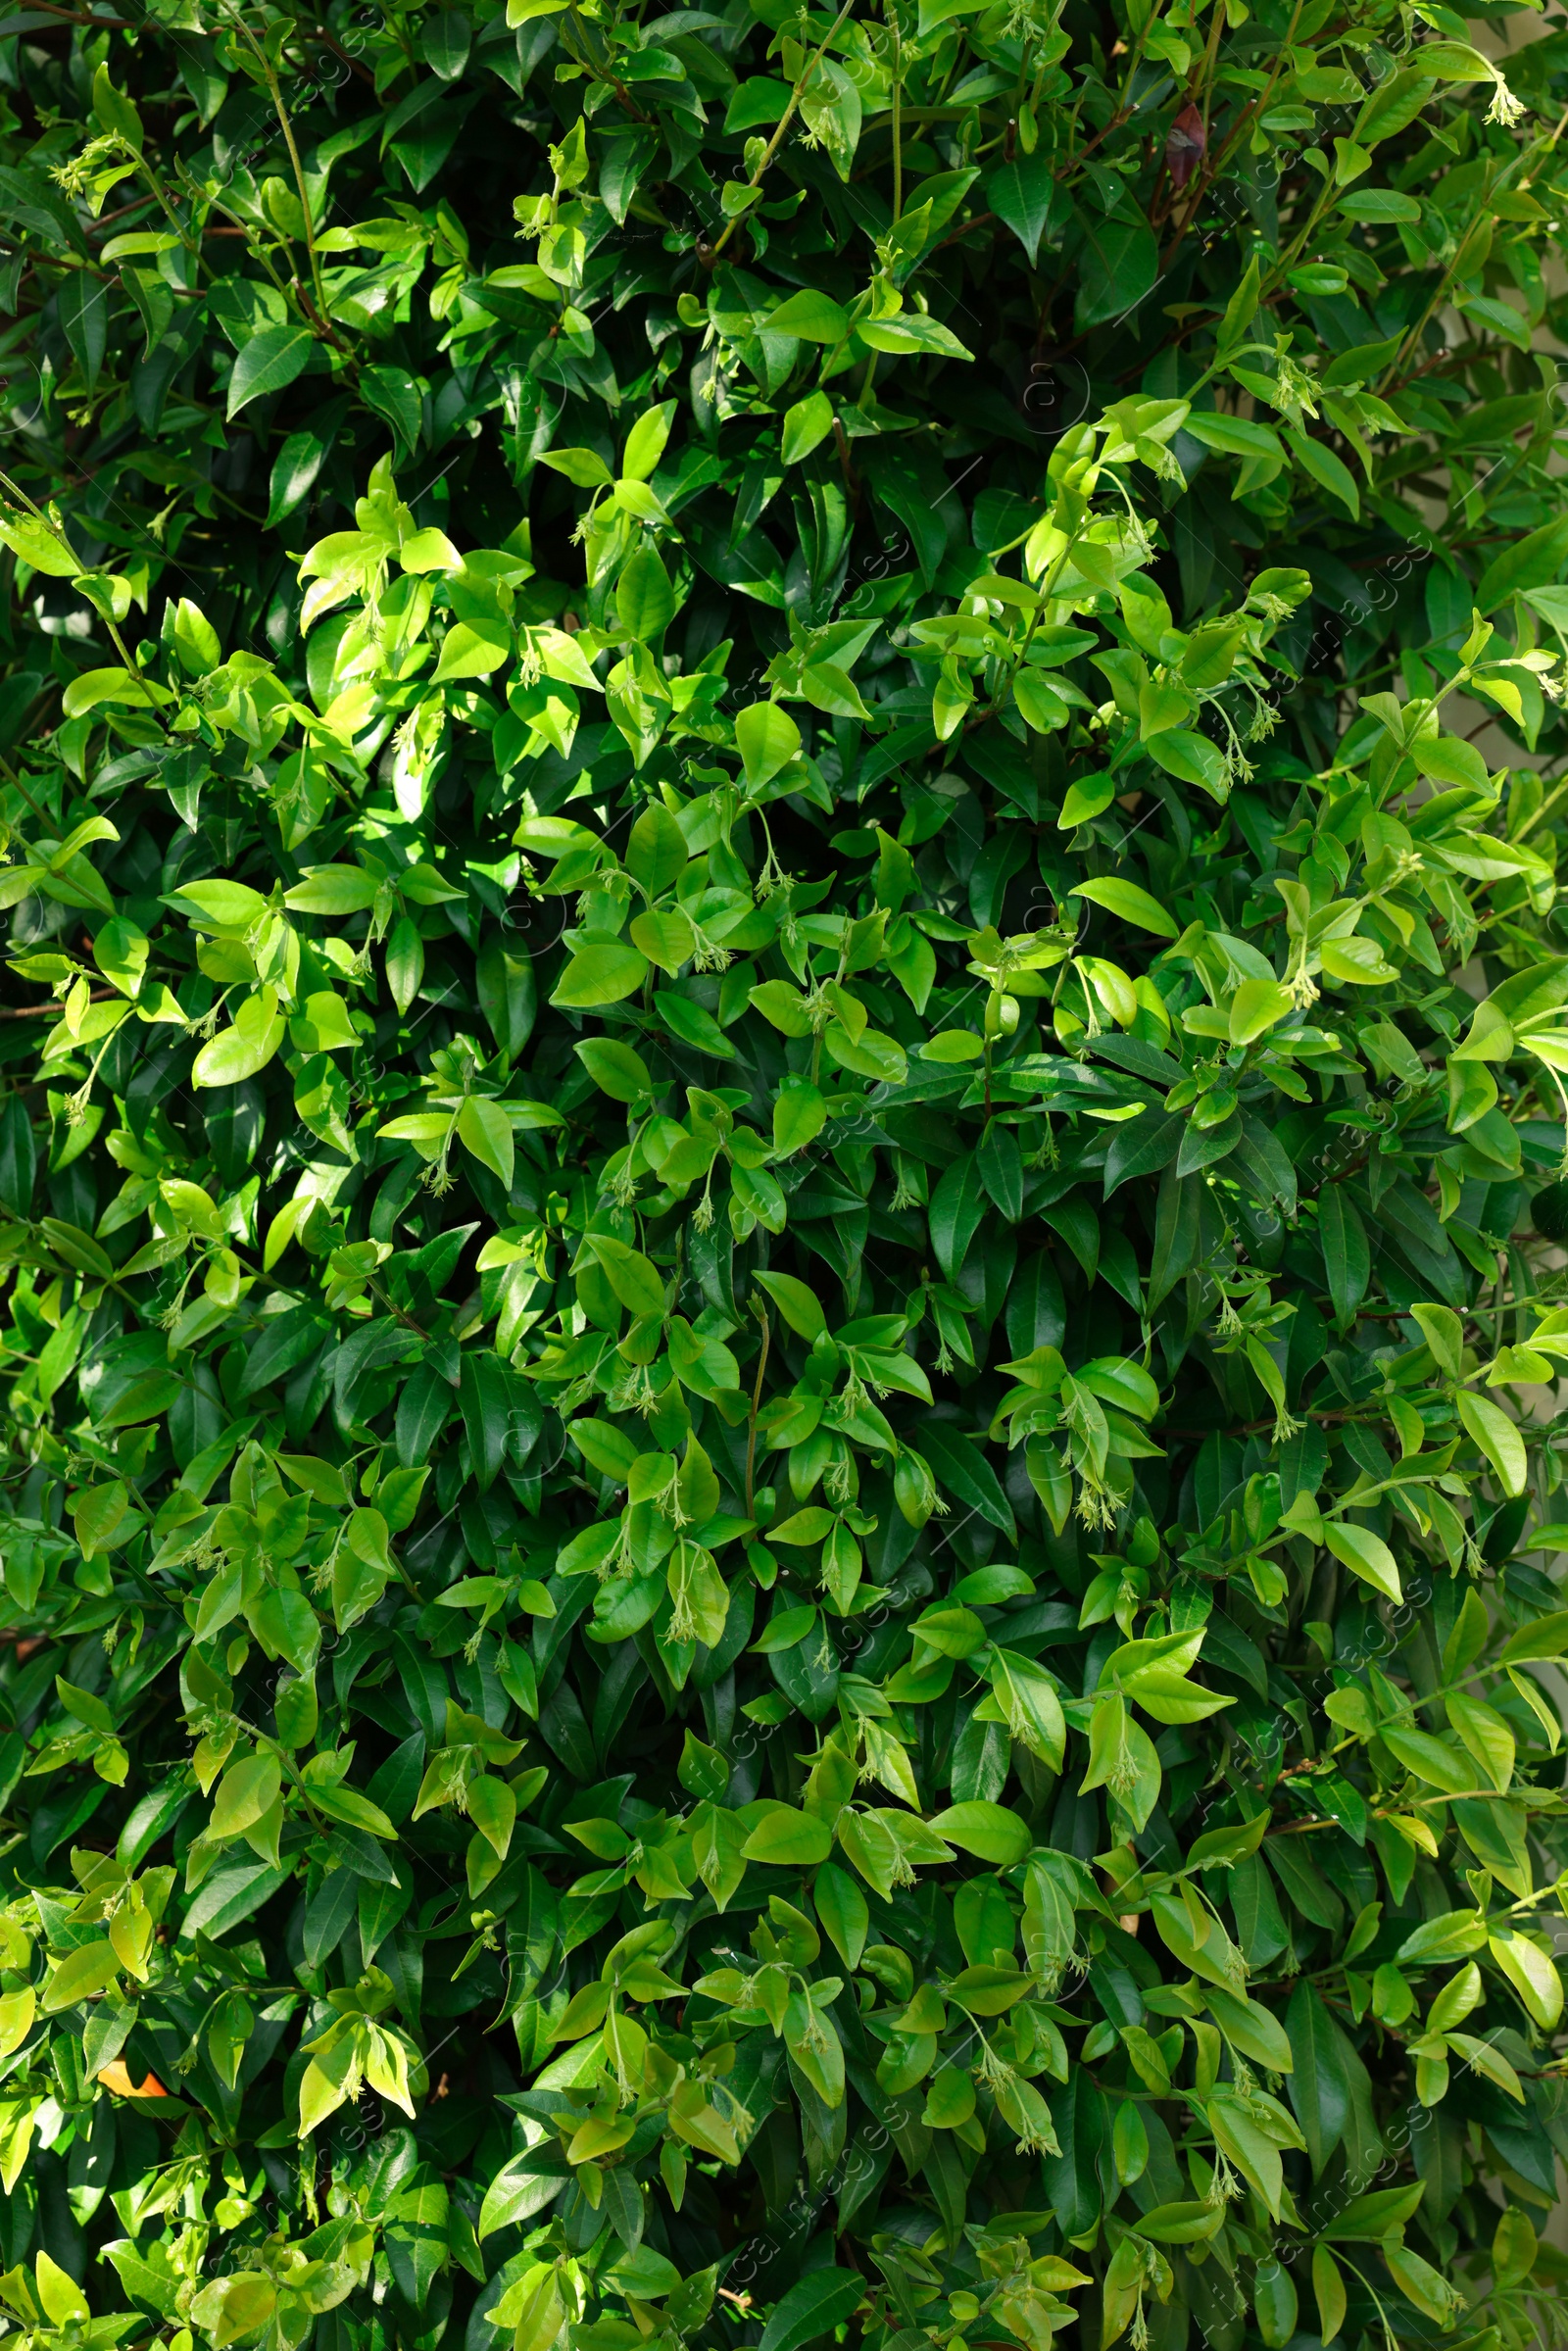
781 1155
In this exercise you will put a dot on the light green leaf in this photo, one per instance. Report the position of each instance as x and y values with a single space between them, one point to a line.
601 975
484 1128
240 1052
1498 1438
1129 903
1365 1554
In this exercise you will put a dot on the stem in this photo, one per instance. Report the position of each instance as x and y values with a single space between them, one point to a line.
14 490
756 1401
1076 154
898 127
1412 340
1212 170
275 92
191 243
287 130
242 229
778 139
106 221
45 818
51 1011
1209 66
609 81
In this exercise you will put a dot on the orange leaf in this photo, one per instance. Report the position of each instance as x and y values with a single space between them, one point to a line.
116 2077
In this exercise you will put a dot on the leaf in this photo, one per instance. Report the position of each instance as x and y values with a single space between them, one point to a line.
1498 1437
1023 193
813 318
799 1113
951 1046
1192 757
333 890
1040 705
1533 562
635 1279
1365 1554
484 1128
1254 2155
583 467
785 1630
1514 2248
1485 1735
807 424
1347 1256
646 440
656 850
93 689
485 1398
1180 2223
1328 2292
616 1068
1446 759
842 1908
1118 267
393 395
268 362
1452 1935
1329 471
789 1840
1256 1007
666 940
988 1831
39 547
645 601
958 1205
1547 1637
82 305
962 1469
768 739
911 332
1028 1698
247 1792
503 984
473 649
79 1975
1252 2028
1431 1758
63 2299
813 2307
1532 1974
1221 1848
1416 2279
240 1052
798 1306
600 975
1129 903
1319 2086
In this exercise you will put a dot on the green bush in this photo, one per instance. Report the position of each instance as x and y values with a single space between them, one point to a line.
781 1483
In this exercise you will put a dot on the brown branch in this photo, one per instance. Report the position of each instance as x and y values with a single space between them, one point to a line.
980 220
338 50
1213 165
53 1012
138 204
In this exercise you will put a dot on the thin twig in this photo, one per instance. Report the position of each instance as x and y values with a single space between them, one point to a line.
774 143
53 1012
756 1403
